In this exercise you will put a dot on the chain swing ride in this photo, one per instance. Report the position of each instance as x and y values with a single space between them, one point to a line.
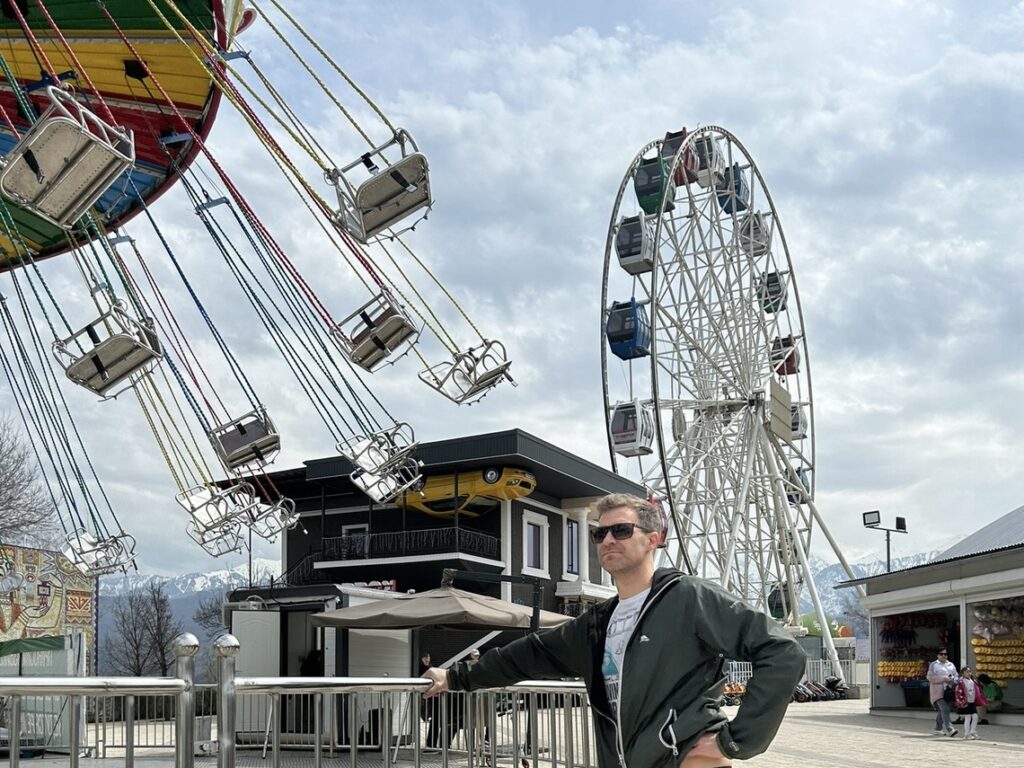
104 106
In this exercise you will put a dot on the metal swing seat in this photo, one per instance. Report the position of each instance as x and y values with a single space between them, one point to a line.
95 556
123 350
388 484
210 508
223 540
380 450
65 162
373 332
470 374
388 195
249 439
268 520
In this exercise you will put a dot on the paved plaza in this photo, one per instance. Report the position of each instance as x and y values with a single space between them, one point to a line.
836 734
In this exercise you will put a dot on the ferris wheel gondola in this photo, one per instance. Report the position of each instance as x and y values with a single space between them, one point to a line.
725 382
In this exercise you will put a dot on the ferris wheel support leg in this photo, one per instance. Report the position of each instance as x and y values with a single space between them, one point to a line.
861 592
801 553
741 501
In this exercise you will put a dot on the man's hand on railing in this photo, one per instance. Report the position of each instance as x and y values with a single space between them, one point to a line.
439 678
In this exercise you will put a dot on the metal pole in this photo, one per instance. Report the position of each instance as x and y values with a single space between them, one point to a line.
275 724
318 745
14 732
184 647
129 731
75 713
385 728
888 552
226 647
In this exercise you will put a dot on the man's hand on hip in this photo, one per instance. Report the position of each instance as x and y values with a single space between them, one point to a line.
705 753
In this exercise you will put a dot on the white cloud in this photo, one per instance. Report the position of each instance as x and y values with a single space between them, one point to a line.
887 136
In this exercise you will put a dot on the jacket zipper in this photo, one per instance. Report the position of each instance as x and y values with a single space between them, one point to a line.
619 746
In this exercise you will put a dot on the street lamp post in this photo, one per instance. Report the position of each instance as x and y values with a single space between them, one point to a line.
873 519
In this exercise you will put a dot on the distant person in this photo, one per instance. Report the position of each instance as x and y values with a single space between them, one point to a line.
969 697
655 699
993 697
424 666
481 718
941 678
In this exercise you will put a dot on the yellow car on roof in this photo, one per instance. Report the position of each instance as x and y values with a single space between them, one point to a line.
478 492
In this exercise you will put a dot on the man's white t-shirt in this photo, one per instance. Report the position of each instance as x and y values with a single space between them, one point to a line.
620 629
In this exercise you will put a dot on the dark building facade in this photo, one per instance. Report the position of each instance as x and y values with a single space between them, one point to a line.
346 540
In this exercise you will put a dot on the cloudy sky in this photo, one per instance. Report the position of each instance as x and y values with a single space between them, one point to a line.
888 136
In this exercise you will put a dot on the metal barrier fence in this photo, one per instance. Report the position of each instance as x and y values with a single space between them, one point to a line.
540 722
817 670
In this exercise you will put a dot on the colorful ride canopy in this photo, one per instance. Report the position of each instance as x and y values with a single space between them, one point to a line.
161 149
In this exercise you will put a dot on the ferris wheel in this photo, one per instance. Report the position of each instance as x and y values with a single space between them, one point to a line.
707 383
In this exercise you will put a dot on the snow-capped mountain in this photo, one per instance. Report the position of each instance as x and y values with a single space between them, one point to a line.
194 583
838 602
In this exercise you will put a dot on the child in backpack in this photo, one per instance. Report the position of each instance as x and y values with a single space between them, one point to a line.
969 697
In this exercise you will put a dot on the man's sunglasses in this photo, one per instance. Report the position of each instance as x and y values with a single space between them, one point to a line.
619 531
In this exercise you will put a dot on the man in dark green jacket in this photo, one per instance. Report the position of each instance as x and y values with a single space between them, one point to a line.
653 658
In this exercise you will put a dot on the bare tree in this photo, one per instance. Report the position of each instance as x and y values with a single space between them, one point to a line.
163 627
27 514
128 650
209 615
144 629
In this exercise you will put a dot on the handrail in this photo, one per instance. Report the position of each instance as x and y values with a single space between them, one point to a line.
92 686
382 685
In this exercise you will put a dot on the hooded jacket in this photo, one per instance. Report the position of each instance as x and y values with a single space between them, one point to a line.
672 672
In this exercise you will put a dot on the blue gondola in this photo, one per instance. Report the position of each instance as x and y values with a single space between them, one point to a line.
628 330
733 190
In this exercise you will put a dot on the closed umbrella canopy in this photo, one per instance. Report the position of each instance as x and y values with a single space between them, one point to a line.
446 607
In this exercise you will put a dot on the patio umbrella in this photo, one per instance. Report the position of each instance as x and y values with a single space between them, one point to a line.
443 608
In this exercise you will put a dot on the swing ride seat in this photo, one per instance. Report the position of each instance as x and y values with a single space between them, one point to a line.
470 374
211 507
98 556
377 451
374 331
388 195
131 348
217 541
268 520
249 439
65 162
385 486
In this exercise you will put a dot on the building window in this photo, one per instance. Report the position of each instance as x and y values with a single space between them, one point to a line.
572 547
535 544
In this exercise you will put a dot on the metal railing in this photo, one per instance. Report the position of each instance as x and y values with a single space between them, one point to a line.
424 541
548 723
543 723
816 670
76 689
